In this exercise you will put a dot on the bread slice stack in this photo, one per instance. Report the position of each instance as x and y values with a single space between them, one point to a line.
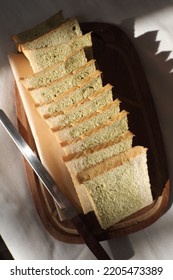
109 174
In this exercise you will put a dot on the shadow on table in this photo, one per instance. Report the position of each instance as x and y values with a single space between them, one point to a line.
160 79
159 75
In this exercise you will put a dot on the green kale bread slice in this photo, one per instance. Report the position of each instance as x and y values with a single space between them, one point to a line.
39 29
63 33
119 186
53 90
83 128
72 97
45 57
89 159
101 98
100 135
56 71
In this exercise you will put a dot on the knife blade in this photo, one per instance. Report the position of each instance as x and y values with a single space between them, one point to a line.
66 207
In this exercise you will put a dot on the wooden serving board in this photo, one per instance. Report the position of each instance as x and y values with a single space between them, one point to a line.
118 60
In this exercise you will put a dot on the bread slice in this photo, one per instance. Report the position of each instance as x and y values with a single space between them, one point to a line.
101 98
118 140
101 135
120 186
59 86
73 96
88 159
58 70
45 57
84 128
63 33
39 30
101 153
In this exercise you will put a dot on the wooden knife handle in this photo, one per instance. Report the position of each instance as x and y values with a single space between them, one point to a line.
90 240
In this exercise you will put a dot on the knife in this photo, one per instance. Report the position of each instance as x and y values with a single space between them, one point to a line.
67 209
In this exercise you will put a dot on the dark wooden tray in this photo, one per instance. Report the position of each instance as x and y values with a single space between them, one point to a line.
117 58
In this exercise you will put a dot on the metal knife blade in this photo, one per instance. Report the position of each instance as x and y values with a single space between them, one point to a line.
65 206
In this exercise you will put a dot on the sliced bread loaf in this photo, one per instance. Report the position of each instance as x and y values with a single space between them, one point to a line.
101 135
93 103
54 89
109 176
121 190
39 30
84 128
58 70
73 96
45 57
63 33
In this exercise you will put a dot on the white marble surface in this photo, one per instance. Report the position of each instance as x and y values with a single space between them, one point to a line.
145 22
